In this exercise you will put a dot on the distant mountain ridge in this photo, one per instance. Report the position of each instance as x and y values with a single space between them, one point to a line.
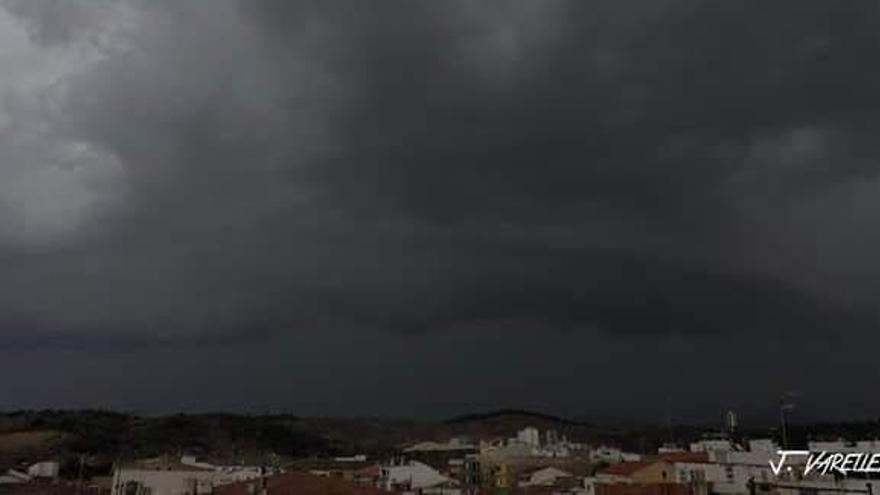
511 413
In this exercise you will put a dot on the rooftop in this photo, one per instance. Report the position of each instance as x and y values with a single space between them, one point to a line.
693 457
626 468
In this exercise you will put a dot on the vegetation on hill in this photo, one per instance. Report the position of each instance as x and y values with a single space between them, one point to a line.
104 437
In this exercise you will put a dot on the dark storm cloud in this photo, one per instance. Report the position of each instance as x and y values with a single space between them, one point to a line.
632 167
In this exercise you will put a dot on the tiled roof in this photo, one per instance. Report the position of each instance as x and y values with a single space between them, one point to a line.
626 468
643 489
371 470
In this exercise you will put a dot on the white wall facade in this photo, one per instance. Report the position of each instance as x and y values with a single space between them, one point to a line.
158 482
612 454
413 474
46 469
844 446
711 445
735 469
529 436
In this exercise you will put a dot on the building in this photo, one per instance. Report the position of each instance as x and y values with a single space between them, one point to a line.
14 477
639 489
464 470
825 486
456 459
717 466
548 476
763 445
416 476
529 436
357 472
733 470
612 455
40 471
44 470
711 445
693 470
188 476
844 446
178 479
676 473
297 483
645 471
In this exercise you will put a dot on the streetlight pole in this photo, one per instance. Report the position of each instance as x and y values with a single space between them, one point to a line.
782 421
785 405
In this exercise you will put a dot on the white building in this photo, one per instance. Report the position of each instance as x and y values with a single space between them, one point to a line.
612 455
417 477
729 471
174 481
13 477
556 451
735 469
844 446
39 470
45 469
763 445
711 445
187 477
695 472
827 485
545 477
529 436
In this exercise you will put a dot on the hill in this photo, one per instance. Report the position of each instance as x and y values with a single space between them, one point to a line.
105 436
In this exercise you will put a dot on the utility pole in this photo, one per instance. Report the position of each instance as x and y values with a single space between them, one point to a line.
782 421
79 476
785 404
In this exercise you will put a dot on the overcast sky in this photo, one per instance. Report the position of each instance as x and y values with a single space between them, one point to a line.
421 208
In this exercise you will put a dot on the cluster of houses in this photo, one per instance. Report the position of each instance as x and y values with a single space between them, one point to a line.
723 467
531 462
40 471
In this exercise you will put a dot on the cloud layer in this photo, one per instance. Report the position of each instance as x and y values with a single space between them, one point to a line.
184 171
